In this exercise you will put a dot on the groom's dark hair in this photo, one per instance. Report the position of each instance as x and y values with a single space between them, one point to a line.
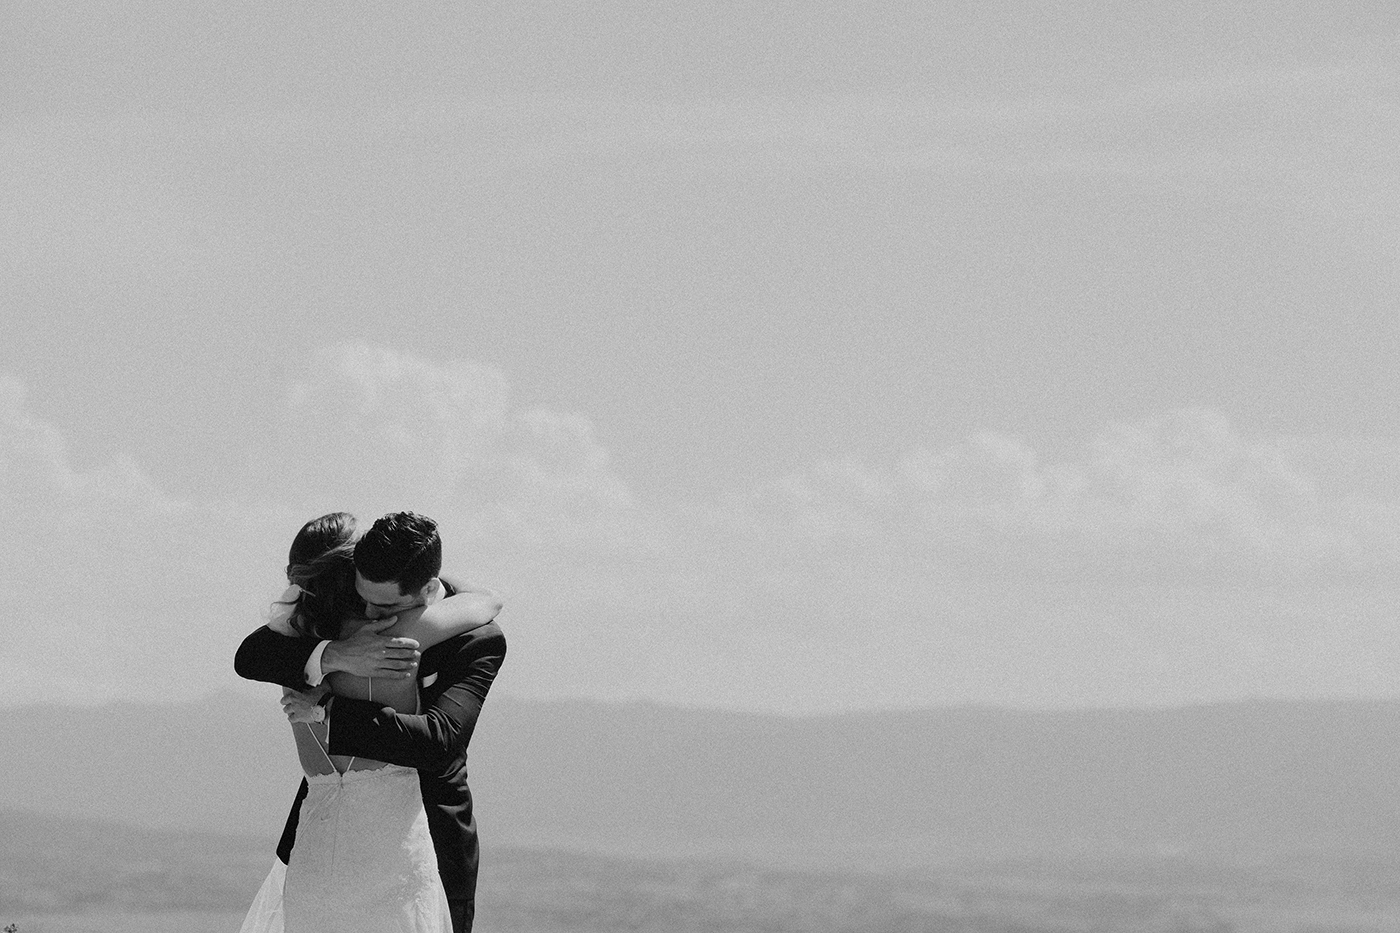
401 547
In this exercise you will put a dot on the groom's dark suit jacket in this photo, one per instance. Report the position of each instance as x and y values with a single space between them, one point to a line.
454 677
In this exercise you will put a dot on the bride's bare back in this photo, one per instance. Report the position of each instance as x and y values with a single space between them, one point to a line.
400 693
469 609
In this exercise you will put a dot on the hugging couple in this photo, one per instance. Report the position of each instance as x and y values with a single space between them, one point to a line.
384 663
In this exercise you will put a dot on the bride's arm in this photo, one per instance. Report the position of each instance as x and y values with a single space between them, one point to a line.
468 608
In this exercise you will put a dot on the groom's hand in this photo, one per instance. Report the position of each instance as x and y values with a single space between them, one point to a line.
369 653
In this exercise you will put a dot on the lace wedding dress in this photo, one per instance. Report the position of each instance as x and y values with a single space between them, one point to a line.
363 861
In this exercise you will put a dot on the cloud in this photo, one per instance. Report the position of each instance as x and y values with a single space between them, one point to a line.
36 478
1192 472
1185 487
156 590
111 584
1094 576
361 414
445 438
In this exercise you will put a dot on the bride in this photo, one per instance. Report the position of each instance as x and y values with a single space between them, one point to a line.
363 859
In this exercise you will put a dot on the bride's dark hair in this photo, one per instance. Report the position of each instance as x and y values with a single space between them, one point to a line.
321 561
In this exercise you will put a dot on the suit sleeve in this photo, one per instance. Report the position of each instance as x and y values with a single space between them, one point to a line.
274 659
434 740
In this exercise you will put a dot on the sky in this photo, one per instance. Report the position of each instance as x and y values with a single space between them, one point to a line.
795 358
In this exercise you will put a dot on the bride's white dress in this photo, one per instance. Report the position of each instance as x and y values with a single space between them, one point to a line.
363 862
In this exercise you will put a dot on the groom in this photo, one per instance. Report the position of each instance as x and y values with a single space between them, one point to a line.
397 567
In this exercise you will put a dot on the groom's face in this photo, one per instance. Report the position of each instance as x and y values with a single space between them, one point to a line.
384 599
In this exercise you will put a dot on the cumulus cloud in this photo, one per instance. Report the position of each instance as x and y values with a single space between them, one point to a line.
445 438
1193 473
37 479
919 580
1166 560
162 589
1175 484
110 584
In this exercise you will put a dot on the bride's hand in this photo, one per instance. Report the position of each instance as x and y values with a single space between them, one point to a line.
304 705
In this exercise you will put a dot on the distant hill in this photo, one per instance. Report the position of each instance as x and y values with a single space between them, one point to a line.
69 875
1244 781
60 875
60 864
221 764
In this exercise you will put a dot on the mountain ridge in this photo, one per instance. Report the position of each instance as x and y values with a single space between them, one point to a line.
1240 780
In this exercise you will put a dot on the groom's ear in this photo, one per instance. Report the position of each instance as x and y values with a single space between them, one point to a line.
429 588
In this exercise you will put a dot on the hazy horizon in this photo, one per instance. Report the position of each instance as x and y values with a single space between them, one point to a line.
913 785
258 692
789 360
1198 815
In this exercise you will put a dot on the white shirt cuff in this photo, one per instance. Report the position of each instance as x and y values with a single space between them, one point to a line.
313 665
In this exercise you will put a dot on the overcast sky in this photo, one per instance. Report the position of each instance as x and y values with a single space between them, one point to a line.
793 357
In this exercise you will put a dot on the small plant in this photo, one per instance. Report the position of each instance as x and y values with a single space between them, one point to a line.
12 928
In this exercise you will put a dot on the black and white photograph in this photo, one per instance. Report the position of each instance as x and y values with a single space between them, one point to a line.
723 467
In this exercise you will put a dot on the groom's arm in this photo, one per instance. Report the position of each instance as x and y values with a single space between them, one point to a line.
273 658
434 740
